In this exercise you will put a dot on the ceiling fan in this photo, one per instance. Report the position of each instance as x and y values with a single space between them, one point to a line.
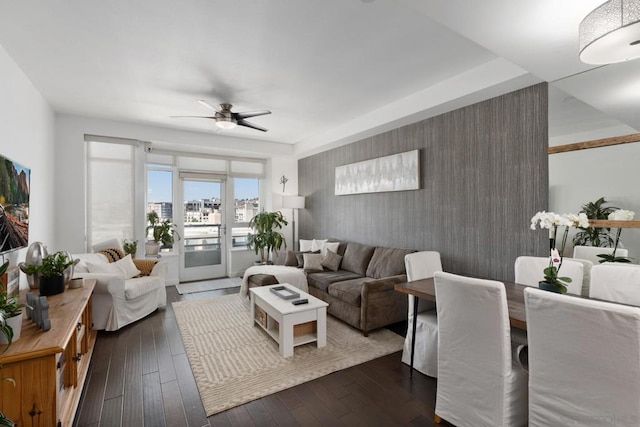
227 119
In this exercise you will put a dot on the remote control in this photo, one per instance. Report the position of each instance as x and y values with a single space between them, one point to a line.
300 301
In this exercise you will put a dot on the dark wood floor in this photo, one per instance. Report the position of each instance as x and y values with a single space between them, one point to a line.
140 376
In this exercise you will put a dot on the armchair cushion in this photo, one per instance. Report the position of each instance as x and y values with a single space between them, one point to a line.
124 267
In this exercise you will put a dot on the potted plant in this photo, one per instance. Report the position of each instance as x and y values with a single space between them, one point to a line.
595 236
10 315
51 271
130 247
552 280
265 239
163 232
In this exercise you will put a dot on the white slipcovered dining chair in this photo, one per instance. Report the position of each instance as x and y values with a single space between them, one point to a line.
584 366
422 265
616 282
480 379
530 270
586 274
591 253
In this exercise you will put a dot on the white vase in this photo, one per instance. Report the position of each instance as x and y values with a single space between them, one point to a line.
14 323
152 247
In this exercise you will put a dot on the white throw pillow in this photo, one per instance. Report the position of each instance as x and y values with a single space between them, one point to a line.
128 268
305 245
124 268
104 268
330 246
317 245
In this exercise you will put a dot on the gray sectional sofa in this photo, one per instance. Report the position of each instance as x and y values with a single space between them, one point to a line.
360 292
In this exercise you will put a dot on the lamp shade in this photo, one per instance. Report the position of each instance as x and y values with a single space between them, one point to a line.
611 33
226 122
293 202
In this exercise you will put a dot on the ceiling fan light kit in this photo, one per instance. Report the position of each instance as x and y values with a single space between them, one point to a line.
227 119
611 33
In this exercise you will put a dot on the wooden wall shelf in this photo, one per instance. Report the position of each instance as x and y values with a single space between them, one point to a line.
605 223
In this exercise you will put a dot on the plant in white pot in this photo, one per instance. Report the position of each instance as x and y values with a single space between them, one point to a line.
10 315
265 238
163 232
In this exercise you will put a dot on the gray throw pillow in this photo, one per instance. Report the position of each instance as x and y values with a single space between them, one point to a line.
331 261
292 259
312 262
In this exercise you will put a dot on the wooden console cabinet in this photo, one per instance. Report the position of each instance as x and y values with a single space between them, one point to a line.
49 367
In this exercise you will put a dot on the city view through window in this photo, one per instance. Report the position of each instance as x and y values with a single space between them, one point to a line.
203 208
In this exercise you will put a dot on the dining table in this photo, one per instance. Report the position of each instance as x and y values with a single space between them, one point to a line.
425 289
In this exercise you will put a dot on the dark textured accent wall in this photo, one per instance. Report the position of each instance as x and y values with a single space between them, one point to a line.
484 173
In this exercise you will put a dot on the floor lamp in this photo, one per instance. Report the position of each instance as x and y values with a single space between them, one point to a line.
294 203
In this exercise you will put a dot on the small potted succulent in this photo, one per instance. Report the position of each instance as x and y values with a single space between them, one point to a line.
10 315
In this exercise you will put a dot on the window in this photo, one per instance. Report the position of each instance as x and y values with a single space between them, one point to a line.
160 191
246 204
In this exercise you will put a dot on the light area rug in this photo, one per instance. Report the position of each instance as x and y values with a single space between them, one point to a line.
235 362
208 285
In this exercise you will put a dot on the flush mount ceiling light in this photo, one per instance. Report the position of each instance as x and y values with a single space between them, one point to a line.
611 33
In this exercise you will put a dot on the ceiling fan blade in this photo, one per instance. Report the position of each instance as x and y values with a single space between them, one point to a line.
198 117
250 125
248 114
206 104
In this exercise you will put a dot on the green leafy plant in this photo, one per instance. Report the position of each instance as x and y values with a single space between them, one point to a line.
130 246
9 307
595 236
265 238
54 265
162 231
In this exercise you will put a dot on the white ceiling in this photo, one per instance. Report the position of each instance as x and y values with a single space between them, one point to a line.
330 71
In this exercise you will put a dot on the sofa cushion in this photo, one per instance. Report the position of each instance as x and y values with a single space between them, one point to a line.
291 260
136 287
349 291
356 258
387 262
331 261
322 280
305 245
312 262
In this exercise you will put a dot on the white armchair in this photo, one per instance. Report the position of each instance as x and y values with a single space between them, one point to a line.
116 301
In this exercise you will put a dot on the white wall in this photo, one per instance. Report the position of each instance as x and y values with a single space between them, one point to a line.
582 176
26 136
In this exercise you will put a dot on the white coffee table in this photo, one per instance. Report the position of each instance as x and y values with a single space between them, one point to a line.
289 325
